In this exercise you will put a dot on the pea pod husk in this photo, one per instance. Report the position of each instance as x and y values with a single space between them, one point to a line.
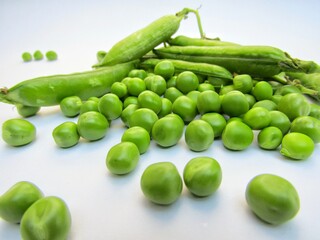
50 90
188 41
257 61
198 68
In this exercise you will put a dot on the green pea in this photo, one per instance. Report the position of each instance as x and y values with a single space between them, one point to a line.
92 125
110 106
143 117
251 100
135 86
139 136
234 103
122 158
205 86
156 83
257 118
294 105
119 89
314 111
243 83
267 104
47 218
280 120
237 136
208 101
262 91
51 55
66 134
161 183
202 176
130 100
187 81
127 112
166 107
297 146
172 82
185 107
37 55
172 93
139 73
270 138
225 89
165 68
70 106
307 125
194 94
27 111
216 121
18 132
89 105
17 199
26 56
151 100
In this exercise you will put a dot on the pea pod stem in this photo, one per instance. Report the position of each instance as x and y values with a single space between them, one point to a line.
185 11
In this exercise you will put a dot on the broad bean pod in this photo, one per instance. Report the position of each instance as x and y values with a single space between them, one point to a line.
198 68
257 61
50 90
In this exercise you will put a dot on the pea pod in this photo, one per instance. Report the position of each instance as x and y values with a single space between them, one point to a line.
257 61
188 41
144 40
198 68
48 218
50 90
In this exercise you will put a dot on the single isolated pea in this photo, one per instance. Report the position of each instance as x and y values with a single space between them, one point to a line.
187 81
66 134
237 136
26 57
161 183
70 106
51 55
139 136
143 117
167 131
122 158
272 198
165 68
270 138
18 132
199 135
110 106
92 125
17 199
47 218
297 146
202 176
27 111
37 55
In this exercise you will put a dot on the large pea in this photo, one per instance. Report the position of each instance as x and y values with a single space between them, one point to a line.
18 132
17 199
294 105
307 125
257 118
47 218
237 136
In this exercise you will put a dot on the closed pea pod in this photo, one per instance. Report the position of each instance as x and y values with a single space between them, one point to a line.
188 41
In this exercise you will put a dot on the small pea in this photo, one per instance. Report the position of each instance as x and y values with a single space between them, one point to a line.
18 132
139 73
165 69
90 105
262 91
268 104
70 106
130 100
26 56
119 89
270 138
280 120
37 55
243 83
27 111
66 135
51 55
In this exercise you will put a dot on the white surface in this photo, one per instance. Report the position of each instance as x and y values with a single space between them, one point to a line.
104 206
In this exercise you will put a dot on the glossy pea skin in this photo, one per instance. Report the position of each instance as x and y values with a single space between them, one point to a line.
47 218
66 134
294 105
172 93
187 81
202 176
234 103
267 104
151 100
262 91
243 83
257 118
237 136
90 105
51 55
272 198
70 106
156 83
297 146
270 138
119 89
26 57
166 107
208 101
185 107
18 132
92 125
139 73
139 136
127 112
307 125
216 121
280 120
110 106
165 69
27 111
135 86
122 158
161 183
143 117
17 199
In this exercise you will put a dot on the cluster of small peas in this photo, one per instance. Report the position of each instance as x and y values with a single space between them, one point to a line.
38 55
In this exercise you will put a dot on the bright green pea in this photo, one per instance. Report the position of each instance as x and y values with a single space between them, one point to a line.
26 56
165 69
17 199
89 105
27 111
47 218
143 117
307 125
172 82
216 121
202 176
294 105
139 136
314 111
92 125
135 86
119 89
270 138
151 100
70 106
194 95
156 83
37 55
130 100
127 112
297 146
66 134
161 183
166 107
225 89
262 91
237 136
139 73
122 158
18 132
205 86
208 101
172 94
234 103
257 118
267 104
280 120
187 81
243 83
251 100
110 106
51 55
185 107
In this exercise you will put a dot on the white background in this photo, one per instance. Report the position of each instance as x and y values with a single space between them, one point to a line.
104 206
